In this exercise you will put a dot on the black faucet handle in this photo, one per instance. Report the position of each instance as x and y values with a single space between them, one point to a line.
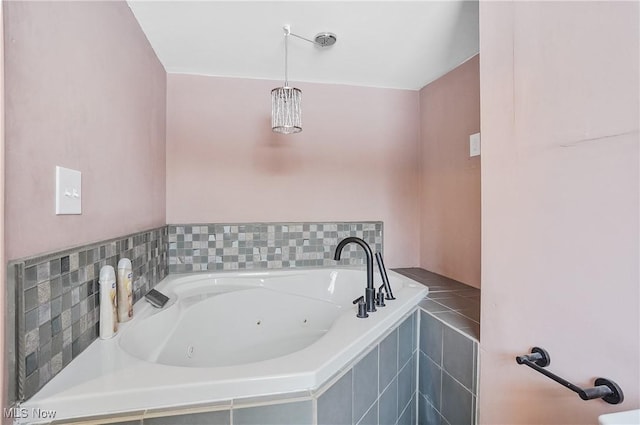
380 299
362 307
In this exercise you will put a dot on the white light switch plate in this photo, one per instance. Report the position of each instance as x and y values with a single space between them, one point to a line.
474 144
68 191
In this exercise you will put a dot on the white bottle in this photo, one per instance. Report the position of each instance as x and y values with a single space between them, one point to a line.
108 303
125 290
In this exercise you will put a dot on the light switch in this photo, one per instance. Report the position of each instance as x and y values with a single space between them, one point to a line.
474 144
68 191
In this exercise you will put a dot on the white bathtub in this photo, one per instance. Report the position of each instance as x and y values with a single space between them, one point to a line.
225 336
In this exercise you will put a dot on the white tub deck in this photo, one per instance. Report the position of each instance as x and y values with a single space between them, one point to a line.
107 379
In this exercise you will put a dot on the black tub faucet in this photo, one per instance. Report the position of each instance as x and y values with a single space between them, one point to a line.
370 291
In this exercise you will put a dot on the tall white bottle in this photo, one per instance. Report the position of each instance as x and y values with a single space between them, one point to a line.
108 303
125 290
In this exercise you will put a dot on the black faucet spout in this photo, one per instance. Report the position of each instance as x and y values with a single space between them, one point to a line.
370 291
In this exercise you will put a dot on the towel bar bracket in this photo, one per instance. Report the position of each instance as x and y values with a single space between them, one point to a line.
616 396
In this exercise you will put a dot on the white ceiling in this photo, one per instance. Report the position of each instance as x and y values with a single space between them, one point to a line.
395 44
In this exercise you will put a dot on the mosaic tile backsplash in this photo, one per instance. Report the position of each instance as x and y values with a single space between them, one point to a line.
58 300
57 295
202 247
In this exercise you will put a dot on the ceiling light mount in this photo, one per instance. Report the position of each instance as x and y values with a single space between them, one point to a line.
325 39
322 39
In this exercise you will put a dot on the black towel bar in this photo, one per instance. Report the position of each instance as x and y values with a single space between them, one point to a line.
604 388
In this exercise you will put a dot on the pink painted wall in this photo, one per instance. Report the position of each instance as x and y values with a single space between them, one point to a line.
449 178
356 158
84 90
3 378
560 206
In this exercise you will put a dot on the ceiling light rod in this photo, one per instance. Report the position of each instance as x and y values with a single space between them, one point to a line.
323 39
286 111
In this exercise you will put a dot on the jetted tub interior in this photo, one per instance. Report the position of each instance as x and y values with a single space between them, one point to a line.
225 321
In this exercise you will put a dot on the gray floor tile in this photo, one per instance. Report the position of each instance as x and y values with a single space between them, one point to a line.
471 313
473 330
455 319
432 306
459 303
436 295
469 293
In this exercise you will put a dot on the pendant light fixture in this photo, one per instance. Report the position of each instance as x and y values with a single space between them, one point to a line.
286 110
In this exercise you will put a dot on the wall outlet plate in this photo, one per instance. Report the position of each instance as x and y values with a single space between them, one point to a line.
68 191
474 145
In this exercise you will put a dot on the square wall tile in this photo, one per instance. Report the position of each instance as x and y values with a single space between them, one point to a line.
365 384
430 380
335 406
405 341
406 384
408 416
222 417
371 417
388 359
431 330
428 415
388 404
457 402
296 413
458 357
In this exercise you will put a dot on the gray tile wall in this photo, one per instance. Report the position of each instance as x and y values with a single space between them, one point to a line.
201 247
58 304
447 382
380 388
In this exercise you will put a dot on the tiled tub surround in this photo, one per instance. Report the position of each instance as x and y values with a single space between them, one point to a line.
449 335
93 385
448 378
378 387
381 388
57 301
201 247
